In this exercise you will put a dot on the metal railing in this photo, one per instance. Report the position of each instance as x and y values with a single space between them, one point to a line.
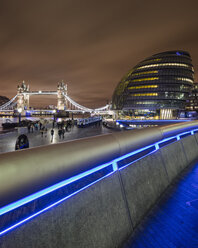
30 174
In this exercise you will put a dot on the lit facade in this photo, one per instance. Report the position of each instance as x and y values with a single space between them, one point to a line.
159 86
192 104
23 97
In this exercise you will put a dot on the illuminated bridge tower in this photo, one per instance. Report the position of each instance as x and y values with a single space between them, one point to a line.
61 92
23 97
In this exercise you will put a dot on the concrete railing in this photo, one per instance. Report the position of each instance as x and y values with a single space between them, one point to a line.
91 192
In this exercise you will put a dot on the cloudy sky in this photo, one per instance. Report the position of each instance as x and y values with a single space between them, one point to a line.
89 44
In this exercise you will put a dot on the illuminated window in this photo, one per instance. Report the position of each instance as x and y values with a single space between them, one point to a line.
145 103
142 87
164 64
145 94
144 72
144 79
185 79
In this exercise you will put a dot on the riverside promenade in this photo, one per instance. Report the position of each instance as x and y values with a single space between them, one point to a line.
8 140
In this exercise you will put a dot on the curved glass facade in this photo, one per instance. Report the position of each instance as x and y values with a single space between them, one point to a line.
162 81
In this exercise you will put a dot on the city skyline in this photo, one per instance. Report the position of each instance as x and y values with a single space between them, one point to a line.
89 45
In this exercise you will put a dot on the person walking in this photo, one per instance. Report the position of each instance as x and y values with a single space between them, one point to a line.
59 133
63 133
41 130
45 132
29 126
36 126
32 128
52 134
66 126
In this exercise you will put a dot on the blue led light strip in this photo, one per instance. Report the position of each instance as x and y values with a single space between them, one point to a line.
52 188
50 206
43 192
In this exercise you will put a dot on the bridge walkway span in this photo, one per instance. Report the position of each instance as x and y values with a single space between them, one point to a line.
173 221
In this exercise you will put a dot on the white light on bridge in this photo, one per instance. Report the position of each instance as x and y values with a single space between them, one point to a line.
20 110
40 91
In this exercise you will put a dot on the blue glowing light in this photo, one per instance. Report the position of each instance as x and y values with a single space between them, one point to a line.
181 134
45 191
136 160
50 206
132 153
59 185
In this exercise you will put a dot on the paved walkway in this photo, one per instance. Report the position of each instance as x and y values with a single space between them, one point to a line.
173 222
7 141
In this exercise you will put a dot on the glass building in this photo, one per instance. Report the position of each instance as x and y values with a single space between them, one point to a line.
192 103
157 87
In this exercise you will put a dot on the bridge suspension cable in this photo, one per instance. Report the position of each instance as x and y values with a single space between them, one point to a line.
77 105
106 107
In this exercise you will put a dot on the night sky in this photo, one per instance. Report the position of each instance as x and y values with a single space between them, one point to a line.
87 43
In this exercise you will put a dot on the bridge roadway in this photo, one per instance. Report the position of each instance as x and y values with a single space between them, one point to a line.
173 221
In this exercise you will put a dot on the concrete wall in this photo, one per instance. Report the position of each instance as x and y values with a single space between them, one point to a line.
105 214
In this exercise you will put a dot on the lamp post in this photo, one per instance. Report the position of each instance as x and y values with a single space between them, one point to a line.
20 111
54 114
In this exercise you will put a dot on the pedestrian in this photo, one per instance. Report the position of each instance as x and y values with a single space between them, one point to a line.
52 134
59 133
63 133
29 126
45 132
32 127
36 126
41 130
53 124
40 125
66 126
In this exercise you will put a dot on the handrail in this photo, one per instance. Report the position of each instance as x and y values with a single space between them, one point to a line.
27 171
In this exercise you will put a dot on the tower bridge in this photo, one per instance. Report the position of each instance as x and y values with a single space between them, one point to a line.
20 101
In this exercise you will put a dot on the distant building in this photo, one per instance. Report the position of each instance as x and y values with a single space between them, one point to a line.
157 87
192 104
3 99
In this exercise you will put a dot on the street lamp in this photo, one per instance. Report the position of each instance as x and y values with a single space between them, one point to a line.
20 111
54 114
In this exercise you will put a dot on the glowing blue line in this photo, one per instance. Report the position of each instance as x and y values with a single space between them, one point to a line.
115 166
134 121
133 153
167 139
45 191
34 196
50 206
181 134
137 160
